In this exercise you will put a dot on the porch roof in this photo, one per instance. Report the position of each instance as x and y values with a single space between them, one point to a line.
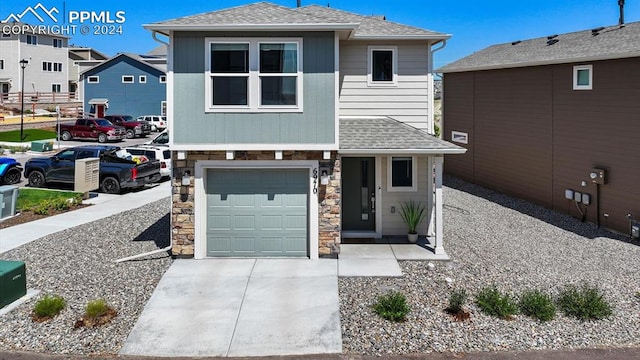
385 135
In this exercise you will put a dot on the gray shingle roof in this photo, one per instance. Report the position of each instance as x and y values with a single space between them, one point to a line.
384 134
610 43
266 14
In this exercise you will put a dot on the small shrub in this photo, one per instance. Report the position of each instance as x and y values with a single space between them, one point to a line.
41 208
48 307
493 303
96 308
392 306
457 299
60 204
537 304
586 302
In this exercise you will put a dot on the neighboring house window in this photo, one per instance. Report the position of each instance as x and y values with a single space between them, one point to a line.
93 79
5 35
55 88
163 108
142 79
402 174
47 66
383 66
163 79
583 77
57 67
57 43
254 75
32 40
1 64
127 79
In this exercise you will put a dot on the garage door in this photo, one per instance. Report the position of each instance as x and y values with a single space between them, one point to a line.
257 213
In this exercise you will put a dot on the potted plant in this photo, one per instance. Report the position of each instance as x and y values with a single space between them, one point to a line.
412 214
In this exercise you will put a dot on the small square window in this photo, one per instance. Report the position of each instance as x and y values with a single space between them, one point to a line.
127 79
583 77
163 79
142 79
93 79
402 174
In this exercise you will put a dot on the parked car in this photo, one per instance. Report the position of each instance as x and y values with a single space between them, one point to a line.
161 139
157 122
101 129
115 173
10 171
154 152
133 127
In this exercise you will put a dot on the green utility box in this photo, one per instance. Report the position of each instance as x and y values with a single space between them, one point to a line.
42 145
13 281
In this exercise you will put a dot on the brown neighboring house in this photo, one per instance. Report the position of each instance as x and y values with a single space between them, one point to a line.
538 115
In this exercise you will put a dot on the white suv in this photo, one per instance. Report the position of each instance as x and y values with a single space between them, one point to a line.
160 152
157 122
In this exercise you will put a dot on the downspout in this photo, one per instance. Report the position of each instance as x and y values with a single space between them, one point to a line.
168 248
431 92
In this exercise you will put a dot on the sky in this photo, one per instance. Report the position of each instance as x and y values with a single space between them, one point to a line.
473 24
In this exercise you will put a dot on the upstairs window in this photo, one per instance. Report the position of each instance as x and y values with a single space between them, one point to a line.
383 66
1 64
142 79
127 79
57 43
583 77
32 40
163 79
93 79
252 75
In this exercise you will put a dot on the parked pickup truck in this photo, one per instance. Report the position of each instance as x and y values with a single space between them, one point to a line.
132 126
101 129
116 173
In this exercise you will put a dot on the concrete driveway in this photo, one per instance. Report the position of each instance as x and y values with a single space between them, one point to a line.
241 307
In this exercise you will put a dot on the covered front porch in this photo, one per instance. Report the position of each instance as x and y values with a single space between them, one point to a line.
386 163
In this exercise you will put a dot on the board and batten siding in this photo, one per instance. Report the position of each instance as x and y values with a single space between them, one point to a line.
407 102
193 126
392 222
533 136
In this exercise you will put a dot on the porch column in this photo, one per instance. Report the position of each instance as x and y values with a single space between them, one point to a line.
430 204
438 247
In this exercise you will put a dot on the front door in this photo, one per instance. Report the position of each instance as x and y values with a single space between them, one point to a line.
4 91
99 111
358 194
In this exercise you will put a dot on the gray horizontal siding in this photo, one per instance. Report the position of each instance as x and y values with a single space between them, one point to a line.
193 126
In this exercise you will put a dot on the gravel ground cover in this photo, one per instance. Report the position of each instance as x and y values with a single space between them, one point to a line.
495 239
78 264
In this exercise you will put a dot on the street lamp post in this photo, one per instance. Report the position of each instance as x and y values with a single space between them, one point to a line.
23 64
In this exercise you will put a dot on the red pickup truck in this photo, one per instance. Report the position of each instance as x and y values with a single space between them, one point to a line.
97 129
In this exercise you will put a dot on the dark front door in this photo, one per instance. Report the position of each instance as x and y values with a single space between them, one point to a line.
358 194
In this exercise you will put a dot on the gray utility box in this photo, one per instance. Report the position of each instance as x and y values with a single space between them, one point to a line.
87 175
13 281
635 230
8 200
42 145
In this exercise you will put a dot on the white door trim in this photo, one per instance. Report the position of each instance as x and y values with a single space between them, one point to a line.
378 206
200 195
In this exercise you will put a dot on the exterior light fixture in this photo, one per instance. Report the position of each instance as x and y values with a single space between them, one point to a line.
186 179
324 177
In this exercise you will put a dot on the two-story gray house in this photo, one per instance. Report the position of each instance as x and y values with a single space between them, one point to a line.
293 129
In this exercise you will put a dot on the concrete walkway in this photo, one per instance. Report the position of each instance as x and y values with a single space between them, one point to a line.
241 307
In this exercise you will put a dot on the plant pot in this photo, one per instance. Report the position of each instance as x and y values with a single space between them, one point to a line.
413 238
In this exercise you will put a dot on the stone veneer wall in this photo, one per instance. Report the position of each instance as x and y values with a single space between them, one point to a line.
183 214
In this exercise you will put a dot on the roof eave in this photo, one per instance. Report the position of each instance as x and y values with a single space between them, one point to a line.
541 63
251 27
447 151
438 37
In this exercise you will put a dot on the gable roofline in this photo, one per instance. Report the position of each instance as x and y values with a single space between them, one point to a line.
119 55
254 27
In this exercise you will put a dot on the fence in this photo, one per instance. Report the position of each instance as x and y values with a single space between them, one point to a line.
38 97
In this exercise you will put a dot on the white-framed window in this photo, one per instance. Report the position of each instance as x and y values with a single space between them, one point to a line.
163 79
93 79
382 66
142 79
47 66
32 40
583 77
460 137
1 64
128 79
163 108
57 43
402 174
253 75
57 67
56 88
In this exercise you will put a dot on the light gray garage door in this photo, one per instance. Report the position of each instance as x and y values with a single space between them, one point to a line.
257 213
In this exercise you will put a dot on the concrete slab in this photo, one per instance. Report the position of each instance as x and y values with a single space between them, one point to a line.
366 251
415 252
368 267
241 307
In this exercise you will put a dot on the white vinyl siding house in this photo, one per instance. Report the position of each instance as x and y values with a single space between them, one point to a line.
405 99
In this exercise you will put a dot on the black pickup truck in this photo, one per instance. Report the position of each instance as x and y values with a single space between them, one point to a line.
116 173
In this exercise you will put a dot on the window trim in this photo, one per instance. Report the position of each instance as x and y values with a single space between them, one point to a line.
34 41
253 82
414 175
133 79
59 88
142 79
162 79
394 58
96 81
576 69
